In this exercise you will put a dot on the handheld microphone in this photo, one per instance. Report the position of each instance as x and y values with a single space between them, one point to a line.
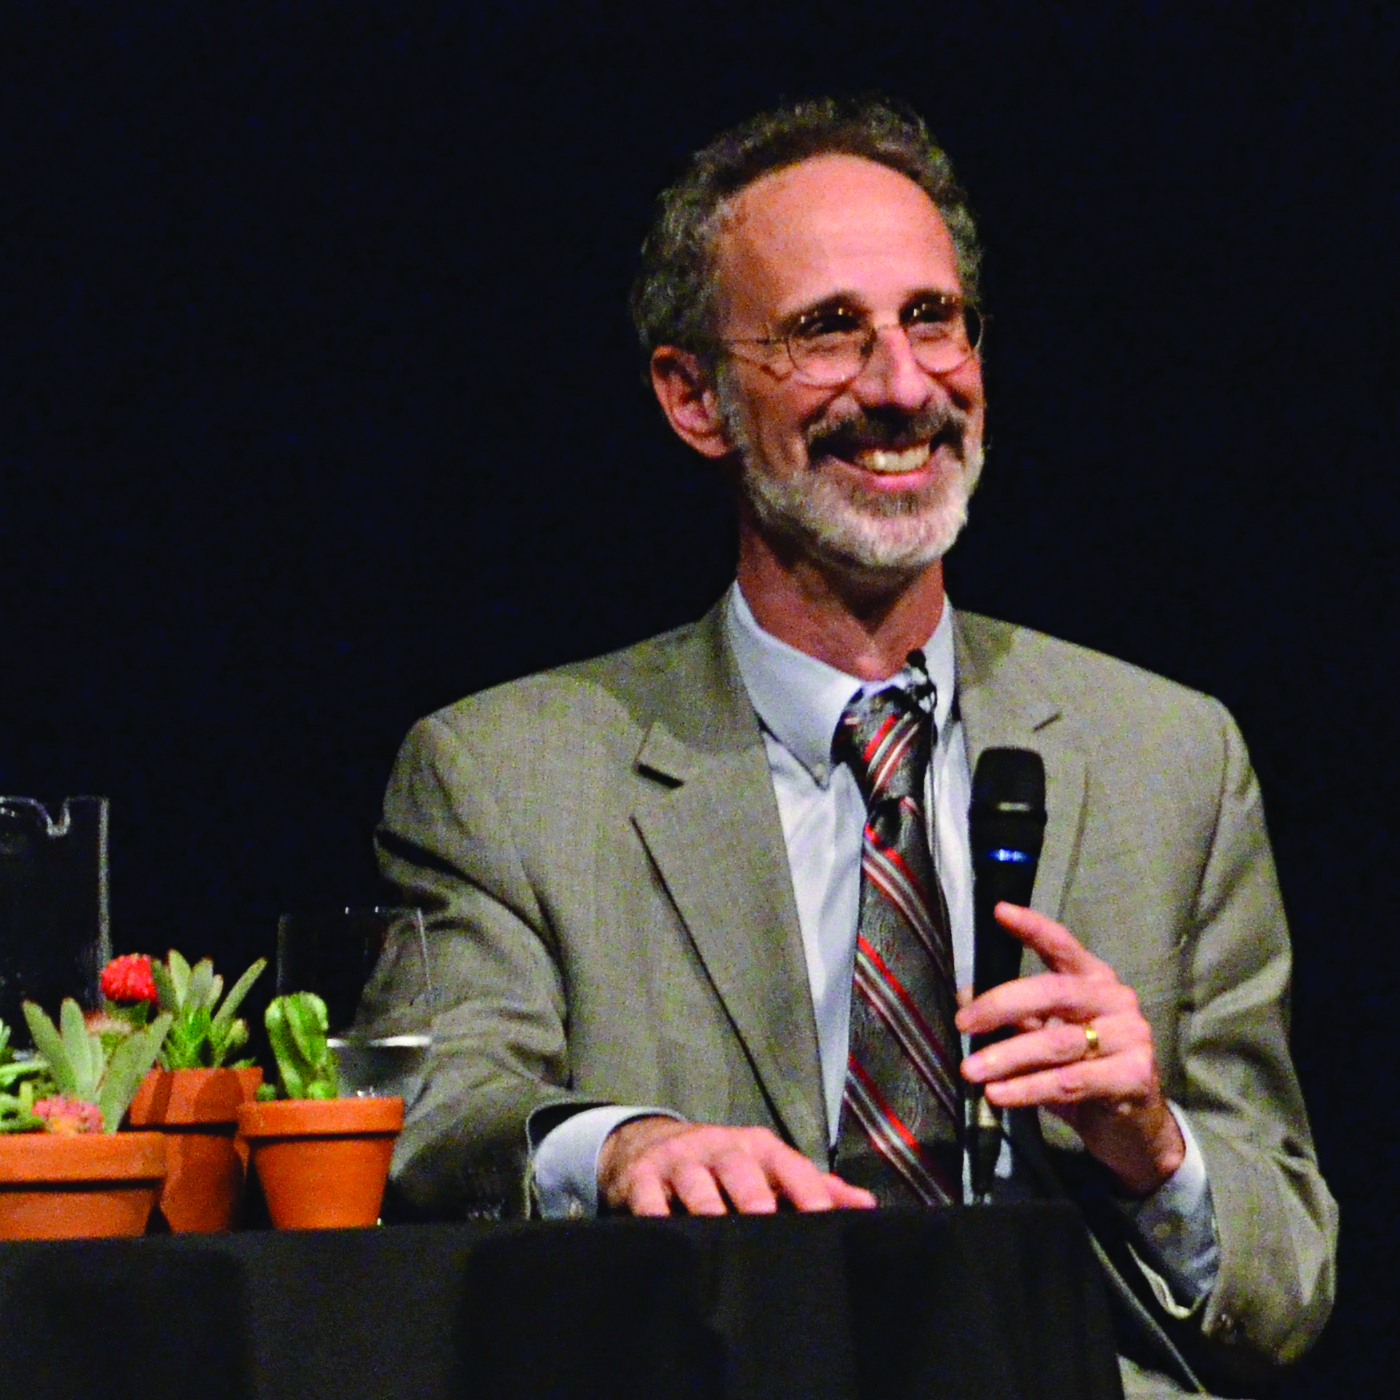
1006 827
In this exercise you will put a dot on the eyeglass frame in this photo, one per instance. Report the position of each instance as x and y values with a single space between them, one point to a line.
959 304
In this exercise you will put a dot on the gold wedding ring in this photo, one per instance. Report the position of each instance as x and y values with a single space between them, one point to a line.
1091 1041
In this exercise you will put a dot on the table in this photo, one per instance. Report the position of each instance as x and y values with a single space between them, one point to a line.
984 1303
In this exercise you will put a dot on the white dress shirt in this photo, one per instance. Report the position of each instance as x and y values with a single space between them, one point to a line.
799 700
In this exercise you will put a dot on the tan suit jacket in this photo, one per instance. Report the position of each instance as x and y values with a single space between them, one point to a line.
599 853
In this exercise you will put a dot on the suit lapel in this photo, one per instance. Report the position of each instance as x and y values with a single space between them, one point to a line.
710 823
1005 703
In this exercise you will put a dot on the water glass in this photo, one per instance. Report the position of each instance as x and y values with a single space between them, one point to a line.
370 967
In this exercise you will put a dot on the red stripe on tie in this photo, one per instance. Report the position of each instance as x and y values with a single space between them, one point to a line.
885 996
893 1141
876 739
910 879
897 744
886 1112
905 999
905 897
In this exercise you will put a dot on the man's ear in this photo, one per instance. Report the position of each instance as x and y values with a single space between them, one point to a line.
688 400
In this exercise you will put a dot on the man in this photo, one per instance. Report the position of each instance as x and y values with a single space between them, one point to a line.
679 972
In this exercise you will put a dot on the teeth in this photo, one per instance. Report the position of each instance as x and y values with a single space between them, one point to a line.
877 459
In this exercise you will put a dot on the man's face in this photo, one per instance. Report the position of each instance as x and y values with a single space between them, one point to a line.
873 475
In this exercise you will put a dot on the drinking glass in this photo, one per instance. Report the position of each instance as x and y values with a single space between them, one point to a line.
370 967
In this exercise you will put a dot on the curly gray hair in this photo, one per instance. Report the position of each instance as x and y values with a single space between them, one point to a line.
673 298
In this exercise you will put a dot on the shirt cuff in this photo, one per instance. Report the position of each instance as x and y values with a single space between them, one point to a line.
1176 1224
564 1167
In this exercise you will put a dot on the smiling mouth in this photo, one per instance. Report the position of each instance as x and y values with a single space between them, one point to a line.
889 446
885 461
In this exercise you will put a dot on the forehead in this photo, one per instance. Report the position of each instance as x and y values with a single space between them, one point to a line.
833 225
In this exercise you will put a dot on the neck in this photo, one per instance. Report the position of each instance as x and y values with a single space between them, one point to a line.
864 626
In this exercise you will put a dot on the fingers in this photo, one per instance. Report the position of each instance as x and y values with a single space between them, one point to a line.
1104 1084
1055 1066
629 1176
1060 950
1030 1002
1078 986
1058 1043
1054 1059
707 1170
844 1196
643 1194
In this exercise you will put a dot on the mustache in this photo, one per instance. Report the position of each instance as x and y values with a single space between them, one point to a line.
860 430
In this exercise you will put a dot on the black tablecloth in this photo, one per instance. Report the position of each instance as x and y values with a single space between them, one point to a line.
963 1303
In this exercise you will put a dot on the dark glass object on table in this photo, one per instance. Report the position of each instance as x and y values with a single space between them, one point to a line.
341 955
55 934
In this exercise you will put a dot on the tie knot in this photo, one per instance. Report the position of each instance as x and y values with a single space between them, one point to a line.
884 739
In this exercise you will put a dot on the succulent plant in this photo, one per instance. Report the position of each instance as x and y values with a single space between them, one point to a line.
22 1082
297 1026
203 1033
68 1117
81 1067
17 1086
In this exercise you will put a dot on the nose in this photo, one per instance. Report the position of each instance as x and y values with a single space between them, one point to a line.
892 376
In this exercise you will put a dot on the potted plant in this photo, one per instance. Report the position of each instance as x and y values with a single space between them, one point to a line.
322 1159
64 1169
22 1082
194 1093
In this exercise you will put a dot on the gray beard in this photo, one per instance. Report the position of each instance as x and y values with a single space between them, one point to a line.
875 533
872 532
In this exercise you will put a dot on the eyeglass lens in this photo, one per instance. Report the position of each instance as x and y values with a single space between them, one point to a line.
830 356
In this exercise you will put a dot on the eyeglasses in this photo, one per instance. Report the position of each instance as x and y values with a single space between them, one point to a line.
830 346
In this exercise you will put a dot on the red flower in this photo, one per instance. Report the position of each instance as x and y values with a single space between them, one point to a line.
128 978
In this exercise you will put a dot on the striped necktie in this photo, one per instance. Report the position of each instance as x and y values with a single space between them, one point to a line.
901 1117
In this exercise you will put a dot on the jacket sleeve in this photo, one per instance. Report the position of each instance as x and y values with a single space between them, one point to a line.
1175 884
499 1051
1277 1221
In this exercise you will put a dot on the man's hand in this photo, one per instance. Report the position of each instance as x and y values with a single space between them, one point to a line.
1084 1051
646 1163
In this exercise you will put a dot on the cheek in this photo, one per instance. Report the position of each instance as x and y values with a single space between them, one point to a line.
776 416
781 424
967 386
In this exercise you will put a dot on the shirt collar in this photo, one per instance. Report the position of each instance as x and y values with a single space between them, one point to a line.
799 699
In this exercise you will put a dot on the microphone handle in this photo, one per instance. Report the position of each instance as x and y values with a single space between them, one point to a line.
1005 853
997 957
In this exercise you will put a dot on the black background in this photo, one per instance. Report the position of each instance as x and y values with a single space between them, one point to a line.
319 408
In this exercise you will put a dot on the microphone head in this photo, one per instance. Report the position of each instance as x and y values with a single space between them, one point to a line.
1006 829
1009 781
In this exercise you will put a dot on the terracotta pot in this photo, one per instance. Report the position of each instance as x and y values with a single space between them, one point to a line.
322 1162
59 1186
197 1109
